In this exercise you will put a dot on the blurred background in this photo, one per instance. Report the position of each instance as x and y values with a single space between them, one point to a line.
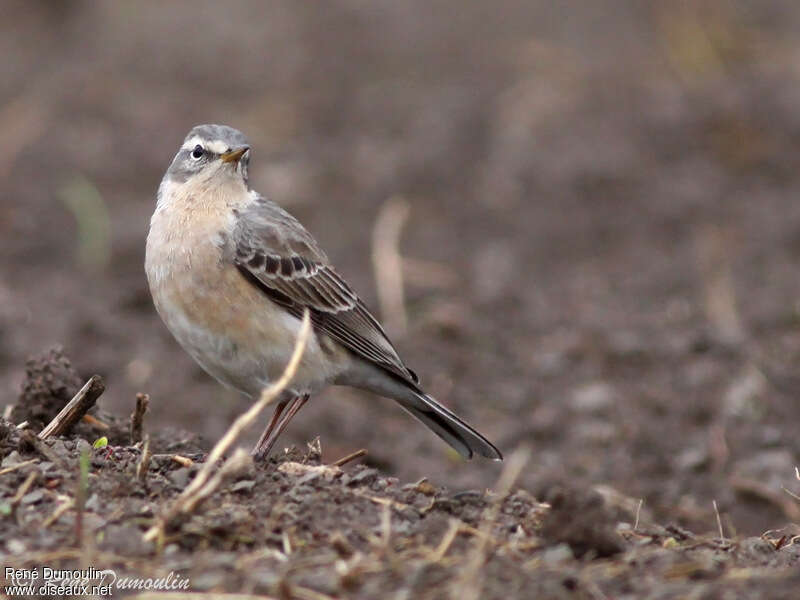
595 208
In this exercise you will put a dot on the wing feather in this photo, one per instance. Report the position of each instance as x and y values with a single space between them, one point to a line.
273 250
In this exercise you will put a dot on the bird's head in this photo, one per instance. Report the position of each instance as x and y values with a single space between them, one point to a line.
211 154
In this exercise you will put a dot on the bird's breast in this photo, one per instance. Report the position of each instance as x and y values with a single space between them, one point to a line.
225 323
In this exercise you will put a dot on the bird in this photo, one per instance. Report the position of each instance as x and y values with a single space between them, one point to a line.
231 274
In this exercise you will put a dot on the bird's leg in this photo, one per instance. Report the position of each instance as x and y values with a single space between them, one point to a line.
276 425
272 422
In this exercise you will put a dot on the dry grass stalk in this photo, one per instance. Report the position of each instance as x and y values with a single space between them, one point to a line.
388 263
144 461
182 460
304 593
638 513
186 501
18 466
719 522
137 417
95 423
349 458
231 467
60 510
75 408
23 489
447 540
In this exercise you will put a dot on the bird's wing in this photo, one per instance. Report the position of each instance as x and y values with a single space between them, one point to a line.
276 253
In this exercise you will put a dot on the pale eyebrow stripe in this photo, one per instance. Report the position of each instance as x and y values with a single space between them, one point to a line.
191 143
215 146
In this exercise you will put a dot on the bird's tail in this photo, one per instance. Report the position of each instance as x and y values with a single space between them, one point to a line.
444 423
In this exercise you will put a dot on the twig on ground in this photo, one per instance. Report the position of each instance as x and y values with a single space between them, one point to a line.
95 422
638 512
182 460
386 528
18 466
447 540
395 504
388 263
304 593
60 510
144 461
23 489
237 463
791 493
137 417
719 522
75 408
287 543
197 489
349 458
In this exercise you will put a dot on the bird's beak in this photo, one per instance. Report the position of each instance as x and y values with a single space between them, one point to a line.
235 154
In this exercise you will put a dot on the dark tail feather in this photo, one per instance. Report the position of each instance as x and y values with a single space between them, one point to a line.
444 423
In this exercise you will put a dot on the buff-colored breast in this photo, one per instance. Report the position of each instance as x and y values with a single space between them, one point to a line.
229 326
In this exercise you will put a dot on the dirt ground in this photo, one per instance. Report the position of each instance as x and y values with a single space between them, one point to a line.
602 251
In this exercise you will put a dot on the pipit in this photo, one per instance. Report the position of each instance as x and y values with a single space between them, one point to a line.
231 274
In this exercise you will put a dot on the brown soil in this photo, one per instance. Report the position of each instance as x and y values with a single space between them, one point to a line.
604 200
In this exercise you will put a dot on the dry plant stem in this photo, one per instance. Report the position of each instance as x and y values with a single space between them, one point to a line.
137 417
304 593
23 489
234 465
268 395
144 461
638 512
95 422
469 585
182 460
349 458
447 539
18 466
719 522
62 508
75 408
388 263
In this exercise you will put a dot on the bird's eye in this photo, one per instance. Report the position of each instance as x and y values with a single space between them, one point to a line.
197 153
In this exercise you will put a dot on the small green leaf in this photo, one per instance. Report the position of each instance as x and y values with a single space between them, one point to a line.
5 509
100 443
